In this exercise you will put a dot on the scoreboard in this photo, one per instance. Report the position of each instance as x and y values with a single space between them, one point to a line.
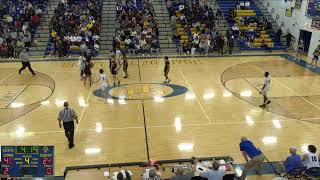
27 161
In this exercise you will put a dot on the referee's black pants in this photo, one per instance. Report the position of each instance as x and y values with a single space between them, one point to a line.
25 65
69 131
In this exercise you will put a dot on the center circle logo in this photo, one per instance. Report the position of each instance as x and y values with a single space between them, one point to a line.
142 91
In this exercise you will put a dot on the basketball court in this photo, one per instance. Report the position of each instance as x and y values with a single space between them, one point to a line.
209 104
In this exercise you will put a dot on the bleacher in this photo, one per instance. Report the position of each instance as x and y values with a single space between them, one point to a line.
144 31
93 27
250 30
13 17
200 25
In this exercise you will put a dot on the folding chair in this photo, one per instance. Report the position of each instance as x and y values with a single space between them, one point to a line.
295 173
312 173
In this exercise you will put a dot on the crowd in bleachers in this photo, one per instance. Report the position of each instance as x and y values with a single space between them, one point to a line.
19 21
249 28
194 25
75 28
136 29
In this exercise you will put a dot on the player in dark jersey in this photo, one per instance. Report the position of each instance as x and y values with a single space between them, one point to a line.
125 66
300 48
166 69
87 70
114 67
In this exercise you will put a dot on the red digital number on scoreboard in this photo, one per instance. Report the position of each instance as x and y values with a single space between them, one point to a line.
6 171
8 160
49 171
46 160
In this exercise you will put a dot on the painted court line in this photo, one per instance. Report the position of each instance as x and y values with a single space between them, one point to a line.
6 77
310 118
152 126
292 91
201 107
88 97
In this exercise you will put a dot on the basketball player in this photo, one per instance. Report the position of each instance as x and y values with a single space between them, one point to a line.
81 63
87 70
25 60
300 48
166 69
310 159
103 83
125 66
114 67
265 89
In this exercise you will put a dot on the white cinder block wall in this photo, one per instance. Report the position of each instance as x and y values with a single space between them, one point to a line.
298 18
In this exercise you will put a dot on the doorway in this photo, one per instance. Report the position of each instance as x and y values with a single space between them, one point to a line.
306 37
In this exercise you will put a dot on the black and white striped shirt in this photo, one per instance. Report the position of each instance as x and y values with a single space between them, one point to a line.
67 115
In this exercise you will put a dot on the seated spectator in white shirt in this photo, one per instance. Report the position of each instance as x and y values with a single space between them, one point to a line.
79 39
247 4
215 172
73 39
38 11
182 17
127 41
242 5
96 47
96 37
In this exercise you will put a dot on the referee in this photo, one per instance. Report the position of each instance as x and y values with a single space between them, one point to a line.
67 116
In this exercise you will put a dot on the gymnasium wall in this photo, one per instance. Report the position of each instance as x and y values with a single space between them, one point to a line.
298 18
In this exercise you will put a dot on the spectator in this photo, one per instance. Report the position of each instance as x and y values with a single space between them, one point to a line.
293 161
247 5
136 30
248 149
76 24
310 159
122 175
151 175
278 35
180 174
242 5
83 47
215 173
289 38
231 45
316 54
235 30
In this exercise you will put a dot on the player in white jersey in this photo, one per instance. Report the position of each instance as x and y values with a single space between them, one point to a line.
310 159
103 83
265 89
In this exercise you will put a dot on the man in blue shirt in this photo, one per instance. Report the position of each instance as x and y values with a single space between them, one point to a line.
292 161
249 150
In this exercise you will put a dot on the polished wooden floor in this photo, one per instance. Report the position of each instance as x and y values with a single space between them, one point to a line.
220 106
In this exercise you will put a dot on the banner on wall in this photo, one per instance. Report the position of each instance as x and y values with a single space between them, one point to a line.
289 12
315 23
313 8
